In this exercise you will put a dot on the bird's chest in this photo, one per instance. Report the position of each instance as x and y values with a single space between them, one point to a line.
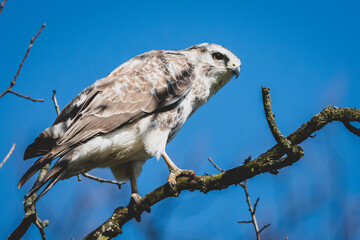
176 118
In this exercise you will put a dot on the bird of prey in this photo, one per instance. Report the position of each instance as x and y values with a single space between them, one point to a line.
130 115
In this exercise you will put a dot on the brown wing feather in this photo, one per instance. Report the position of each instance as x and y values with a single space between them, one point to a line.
152 82
129 94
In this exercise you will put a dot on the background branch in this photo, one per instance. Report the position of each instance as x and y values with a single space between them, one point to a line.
252 212
57 108
351 128
216 166
270 161
102 180
2 5
8 155
31 216
12 83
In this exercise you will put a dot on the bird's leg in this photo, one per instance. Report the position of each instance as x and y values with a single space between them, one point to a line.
174 170
135 197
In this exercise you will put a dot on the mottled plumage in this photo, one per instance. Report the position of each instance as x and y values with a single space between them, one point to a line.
130 115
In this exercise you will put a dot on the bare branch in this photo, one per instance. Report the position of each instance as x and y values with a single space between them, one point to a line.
264 227
251 210
12 83
270 117
267 162
2 5
57 108
245 221
8 155
256 203
26 97
351 128
216 166
103 180
41 226
31 216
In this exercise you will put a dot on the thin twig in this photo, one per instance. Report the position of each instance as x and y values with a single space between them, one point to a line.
256 203
245 221
2 5
216 166
57 108
102 180
26 97
8 155
251 210
264 227
12 83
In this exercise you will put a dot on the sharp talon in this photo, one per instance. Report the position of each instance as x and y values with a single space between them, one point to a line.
176 173
134 205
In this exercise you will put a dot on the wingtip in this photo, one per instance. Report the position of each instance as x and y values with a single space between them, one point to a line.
20 184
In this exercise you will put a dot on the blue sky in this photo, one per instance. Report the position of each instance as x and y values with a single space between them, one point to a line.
307 52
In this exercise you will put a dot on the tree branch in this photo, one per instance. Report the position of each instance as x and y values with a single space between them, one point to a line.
216 166
8 155
31 213
12 83
57 108
351 128
294 151
31 216
101 180
2 5
251 210
267 162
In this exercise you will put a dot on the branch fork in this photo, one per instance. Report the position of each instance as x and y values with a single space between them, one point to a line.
12 83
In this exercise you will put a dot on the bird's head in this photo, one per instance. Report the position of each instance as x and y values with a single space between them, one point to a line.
217 62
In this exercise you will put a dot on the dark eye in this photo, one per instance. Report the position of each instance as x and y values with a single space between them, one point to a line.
217 56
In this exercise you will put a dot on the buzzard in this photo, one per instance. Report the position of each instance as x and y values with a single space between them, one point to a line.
130 115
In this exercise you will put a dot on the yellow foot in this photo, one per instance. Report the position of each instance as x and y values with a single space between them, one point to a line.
176 173
135 198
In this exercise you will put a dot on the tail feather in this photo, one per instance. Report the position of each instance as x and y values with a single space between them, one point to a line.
54 175
54 180
34 168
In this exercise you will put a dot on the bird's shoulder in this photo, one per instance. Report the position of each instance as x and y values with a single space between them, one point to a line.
151 82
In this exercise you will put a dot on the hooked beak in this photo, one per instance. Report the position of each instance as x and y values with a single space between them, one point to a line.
235 70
